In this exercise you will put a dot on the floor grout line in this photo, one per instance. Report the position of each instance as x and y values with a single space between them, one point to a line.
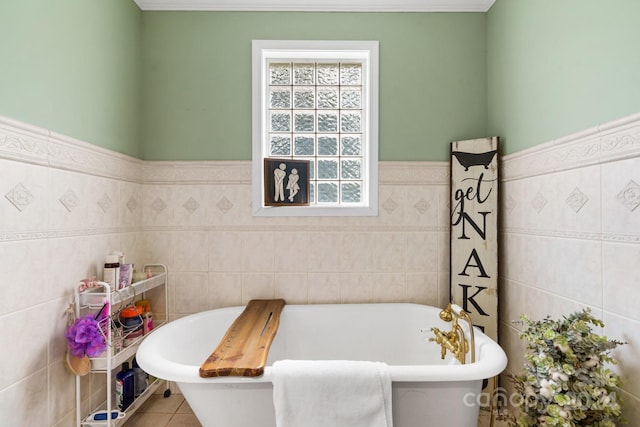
172 409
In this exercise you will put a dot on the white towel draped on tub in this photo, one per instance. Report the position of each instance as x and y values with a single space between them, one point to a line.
331 393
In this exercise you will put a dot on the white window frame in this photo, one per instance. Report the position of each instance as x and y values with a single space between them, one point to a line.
289 50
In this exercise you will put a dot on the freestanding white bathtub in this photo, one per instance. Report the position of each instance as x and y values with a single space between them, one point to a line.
426 391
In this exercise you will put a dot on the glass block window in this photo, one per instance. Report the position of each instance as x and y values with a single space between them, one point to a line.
317 101
324 112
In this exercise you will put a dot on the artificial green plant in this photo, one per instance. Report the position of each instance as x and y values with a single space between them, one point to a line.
567 380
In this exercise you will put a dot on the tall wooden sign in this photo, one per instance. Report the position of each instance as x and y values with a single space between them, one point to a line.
474 230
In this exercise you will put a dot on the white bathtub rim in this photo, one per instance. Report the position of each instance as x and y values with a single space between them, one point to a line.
492 360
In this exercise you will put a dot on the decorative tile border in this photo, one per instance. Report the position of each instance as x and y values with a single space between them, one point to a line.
197 172
20 196
239 172
22 142
12 236
31 144
616 140
72 154
612 141
414 173
577 235
630 195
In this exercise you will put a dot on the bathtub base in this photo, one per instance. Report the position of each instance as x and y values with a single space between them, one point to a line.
428 391
414 404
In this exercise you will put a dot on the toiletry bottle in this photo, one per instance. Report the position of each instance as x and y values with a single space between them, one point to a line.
131 319
125 277
116 335
120 284
143 304
147 322
140 379
147 318
120 256
111 272
124 387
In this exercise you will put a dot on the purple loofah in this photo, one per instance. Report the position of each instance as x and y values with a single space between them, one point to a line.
85 337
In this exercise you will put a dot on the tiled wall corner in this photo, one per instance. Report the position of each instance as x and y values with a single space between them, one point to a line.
571 237
64 204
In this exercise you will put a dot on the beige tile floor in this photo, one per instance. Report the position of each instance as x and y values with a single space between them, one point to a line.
174 411
160 411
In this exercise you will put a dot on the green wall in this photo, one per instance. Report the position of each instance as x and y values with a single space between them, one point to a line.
177 85
558 67
73 66
197 78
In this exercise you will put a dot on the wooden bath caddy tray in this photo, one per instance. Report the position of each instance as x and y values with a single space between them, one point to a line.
243 350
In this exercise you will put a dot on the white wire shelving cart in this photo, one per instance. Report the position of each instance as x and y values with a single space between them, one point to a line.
94 300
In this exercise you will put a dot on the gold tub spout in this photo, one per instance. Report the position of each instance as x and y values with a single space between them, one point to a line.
450 341
455 340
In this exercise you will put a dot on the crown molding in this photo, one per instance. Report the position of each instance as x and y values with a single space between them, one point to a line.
318 5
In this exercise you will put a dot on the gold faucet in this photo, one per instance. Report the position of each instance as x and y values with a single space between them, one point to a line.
455 340
448 341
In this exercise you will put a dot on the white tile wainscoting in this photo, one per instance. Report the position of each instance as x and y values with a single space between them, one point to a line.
199 215
64 204
571 237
